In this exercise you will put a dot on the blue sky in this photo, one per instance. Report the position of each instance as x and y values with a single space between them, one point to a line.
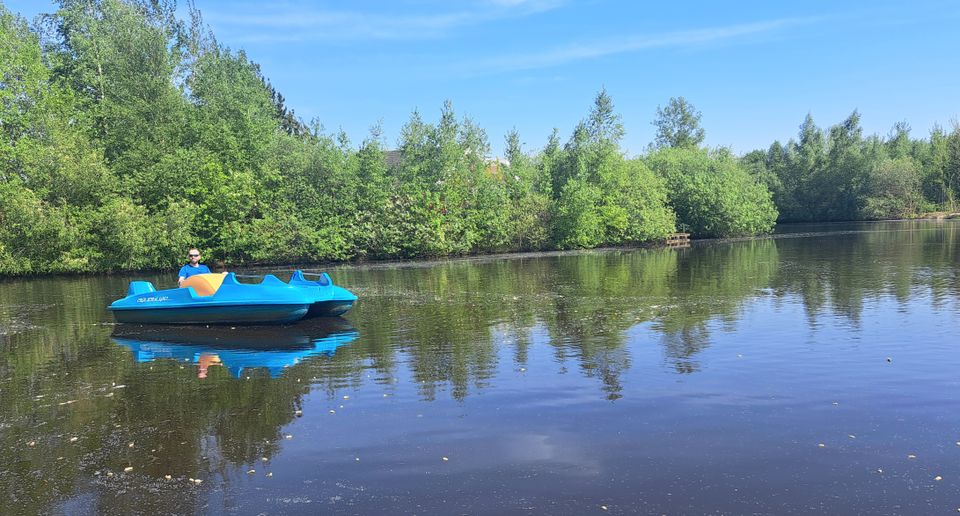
754 69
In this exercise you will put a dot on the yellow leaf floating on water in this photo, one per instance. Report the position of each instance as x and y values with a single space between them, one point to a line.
168 477
129 445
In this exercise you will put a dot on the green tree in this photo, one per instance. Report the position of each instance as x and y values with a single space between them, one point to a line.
678 125
894 189
122 58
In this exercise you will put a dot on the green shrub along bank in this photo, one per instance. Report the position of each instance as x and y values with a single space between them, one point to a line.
128 135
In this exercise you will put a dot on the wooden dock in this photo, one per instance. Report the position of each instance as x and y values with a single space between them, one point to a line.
678 240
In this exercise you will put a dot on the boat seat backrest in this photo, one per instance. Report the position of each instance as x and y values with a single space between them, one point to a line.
140 287
204 284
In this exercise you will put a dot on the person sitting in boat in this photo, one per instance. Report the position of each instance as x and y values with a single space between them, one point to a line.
193 267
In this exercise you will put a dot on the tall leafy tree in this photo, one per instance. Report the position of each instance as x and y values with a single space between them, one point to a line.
678 125
122 57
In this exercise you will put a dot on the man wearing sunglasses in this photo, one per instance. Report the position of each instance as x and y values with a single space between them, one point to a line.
194 267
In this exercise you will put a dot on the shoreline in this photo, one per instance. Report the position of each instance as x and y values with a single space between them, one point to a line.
431 261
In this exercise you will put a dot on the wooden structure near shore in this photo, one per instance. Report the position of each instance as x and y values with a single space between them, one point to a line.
678 240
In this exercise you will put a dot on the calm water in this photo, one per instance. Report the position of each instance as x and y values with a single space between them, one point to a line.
814 372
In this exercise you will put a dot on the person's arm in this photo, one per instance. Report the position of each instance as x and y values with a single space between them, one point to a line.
180 281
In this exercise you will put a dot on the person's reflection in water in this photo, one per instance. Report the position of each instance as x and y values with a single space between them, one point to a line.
206 360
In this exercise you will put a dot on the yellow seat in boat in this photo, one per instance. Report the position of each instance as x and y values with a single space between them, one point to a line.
204 284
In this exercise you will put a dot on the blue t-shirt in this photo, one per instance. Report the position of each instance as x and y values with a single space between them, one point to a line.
188 270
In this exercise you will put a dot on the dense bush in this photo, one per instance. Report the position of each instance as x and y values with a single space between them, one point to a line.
712 194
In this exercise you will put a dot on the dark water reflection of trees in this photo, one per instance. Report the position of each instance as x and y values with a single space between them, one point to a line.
448 327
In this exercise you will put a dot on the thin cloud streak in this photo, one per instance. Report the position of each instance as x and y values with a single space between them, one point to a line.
294 24
633 43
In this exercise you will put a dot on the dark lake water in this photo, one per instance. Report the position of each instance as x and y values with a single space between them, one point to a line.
814 372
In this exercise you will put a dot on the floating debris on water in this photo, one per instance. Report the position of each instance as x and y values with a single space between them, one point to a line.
251 471
74 439
445 459
288 436
821 445
129 445
168 477
264 459
128 469
298 413
911 456
938 478
269 475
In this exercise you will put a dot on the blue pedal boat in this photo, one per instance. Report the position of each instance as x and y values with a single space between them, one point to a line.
328 299
214 299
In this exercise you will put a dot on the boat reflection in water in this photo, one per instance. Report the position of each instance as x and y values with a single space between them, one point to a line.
238 349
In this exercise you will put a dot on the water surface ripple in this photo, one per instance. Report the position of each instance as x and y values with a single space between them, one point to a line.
812 372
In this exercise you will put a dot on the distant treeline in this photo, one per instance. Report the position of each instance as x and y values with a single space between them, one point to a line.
128 135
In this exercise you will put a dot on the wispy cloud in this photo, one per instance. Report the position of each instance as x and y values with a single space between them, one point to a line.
631 43
286 23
